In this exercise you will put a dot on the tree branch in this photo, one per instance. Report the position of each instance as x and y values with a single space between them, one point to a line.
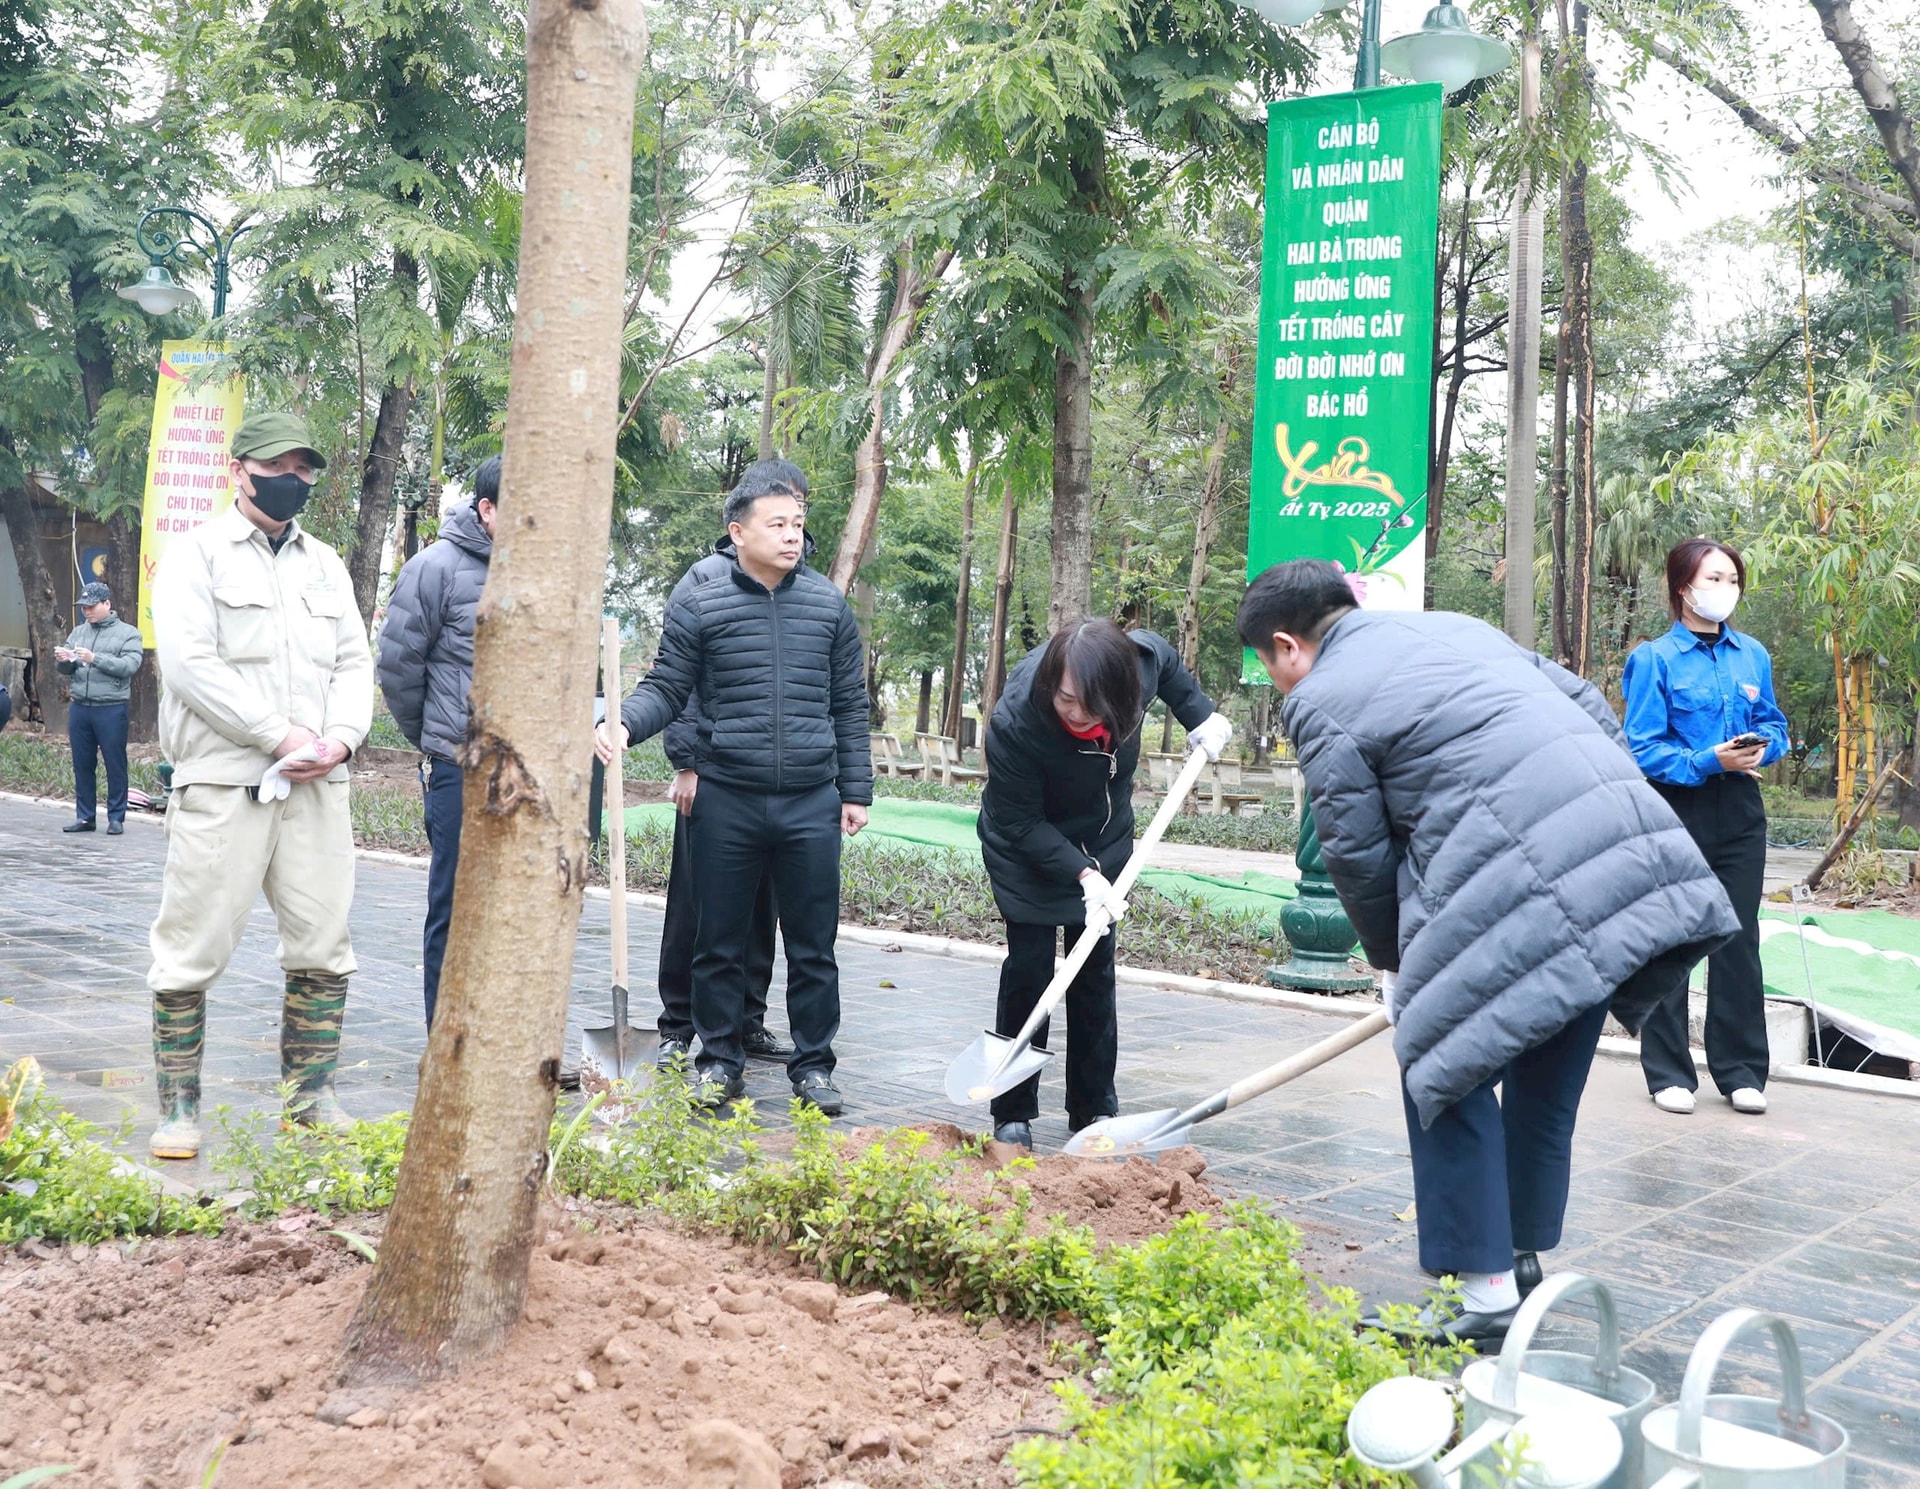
1885 209
1876 91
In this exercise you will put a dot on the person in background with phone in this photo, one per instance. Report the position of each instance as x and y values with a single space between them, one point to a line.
1701 720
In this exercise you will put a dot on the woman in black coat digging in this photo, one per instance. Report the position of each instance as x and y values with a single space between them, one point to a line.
1056 827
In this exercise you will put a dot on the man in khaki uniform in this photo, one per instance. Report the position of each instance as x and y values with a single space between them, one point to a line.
268 690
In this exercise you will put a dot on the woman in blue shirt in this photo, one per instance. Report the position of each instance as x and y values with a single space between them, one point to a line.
1702 721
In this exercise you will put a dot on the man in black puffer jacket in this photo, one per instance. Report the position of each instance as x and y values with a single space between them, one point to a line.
786 770
426 672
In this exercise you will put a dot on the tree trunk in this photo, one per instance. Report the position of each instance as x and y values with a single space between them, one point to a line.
1557 467
995 676
36 587
1205 528
452 1271
769 390
910 291
380 472
94 356
955 706
1583 508
923 715
1440 430
1907 792
1072 593
1523 378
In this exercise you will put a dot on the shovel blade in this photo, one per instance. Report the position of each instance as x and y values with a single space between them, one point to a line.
976 1076
1127 1137
600 1048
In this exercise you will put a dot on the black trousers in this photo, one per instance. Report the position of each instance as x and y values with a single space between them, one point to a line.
1490 1176
738 839
680 933
1728 821
1093 1025
445 781
98 729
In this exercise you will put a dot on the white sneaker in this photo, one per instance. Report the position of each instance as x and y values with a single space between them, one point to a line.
1676 1099
1748 1100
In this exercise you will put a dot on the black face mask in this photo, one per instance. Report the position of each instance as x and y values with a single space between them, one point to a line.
279 498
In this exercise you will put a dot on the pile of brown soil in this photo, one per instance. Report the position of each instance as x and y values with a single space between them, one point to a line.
645 1357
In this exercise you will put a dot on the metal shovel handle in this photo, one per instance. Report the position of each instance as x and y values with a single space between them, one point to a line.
1704 1364
1549 1295
1091 936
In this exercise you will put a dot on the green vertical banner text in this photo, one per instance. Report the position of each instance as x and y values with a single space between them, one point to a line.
1344 403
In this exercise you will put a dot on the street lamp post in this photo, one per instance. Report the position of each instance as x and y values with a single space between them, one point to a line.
164 242
1447 51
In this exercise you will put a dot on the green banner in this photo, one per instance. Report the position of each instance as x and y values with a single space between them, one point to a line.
1344 401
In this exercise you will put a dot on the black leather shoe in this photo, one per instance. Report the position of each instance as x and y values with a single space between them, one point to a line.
714 1089
1078 1124
1526 1272
114 829
764 1044
668 1049
816 1088
86 826
1480 1330
1020 1134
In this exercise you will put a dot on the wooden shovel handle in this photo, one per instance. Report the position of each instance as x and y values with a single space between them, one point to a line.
615 808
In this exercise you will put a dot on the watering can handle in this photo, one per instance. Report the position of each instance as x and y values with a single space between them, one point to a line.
1705 1363
1549 1294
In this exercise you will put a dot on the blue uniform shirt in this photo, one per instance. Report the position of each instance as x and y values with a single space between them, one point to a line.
1685 695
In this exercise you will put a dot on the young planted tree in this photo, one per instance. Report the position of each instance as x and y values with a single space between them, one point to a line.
451 1277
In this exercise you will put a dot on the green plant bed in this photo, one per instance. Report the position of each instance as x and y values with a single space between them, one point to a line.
1273 831
60 1178
42 765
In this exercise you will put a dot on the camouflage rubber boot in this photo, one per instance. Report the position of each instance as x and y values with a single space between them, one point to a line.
316 1002
179 1035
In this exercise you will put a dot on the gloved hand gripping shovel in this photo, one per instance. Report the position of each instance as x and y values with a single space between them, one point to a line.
617 1050
1150 1132
994 1064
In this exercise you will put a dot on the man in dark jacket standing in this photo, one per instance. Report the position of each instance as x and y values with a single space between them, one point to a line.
786 770
684 741
426 672
1509 869
100 658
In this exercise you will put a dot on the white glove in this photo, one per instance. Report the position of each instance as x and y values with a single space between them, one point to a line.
1211 736
1389 984
1105 904
274 786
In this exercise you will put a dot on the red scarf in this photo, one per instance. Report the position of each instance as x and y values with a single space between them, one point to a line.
1098 733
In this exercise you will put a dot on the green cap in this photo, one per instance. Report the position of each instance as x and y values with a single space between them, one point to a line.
264 435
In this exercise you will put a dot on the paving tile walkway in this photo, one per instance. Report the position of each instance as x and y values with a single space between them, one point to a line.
1812 1211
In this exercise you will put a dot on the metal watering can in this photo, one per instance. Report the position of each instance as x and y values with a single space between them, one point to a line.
1743 1442
1400 1424
1524 1381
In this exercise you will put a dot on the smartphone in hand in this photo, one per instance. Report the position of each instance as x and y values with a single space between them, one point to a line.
1748 741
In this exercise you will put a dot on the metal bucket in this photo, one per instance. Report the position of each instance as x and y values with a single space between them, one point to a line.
1744 1442
1525 1380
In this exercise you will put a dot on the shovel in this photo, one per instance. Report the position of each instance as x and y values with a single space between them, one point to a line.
993 1064
1150 1132
618 1049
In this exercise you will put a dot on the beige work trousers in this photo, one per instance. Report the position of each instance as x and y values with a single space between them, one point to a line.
223 849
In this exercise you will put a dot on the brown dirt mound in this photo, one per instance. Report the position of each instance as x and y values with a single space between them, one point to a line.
645 1358
1119 1202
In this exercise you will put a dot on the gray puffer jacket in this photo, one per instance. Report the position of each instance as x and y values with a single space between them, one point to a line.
781 676
1493 842
426 645
117 653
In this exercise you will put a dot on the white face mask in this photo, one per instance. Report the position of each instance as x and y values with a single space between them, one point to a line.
1716 604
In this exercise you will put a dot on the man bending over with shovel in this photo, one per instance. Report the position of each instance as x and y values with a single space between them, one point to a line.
1513 876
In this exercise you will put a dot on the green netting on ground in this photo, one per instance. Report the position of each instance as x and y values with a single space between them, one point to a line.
1862 962
939 824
